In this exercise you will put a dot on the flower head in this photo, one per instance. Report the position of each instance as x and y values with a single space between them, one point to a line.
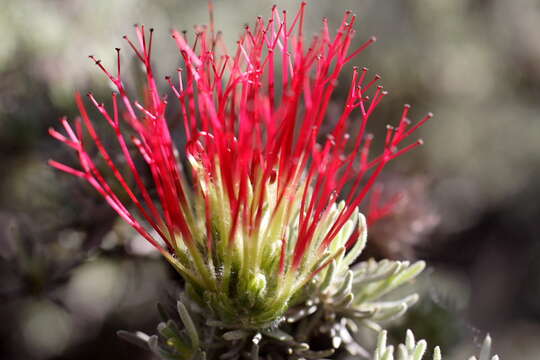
259 200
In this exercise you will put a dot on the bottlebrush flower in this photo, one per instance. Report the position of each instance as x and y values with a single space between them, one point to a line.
249 211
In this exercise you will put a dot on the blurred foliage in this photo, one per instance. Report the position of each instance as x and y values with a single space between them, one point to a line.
66 282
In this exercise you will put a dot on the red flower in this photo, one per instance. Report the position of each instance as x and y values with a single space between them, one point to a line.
258 202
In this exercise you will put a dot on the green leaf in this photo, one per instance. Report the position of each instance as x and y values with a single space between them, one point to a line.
189 324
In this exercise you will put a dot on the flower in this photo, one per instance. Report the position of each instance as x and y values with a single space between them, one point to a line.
249 211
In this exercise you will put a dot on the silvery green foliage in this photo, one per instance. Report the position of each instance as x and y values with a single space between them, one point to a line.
351 296
347 300
189 336
342 302
413 350
179 336
360 293
338 302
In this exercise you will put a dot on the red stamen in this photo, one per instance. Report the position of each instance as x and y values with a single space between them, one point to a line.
245 136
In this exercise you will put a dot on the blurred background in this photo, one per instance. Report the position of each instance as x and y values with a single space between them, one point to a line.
71 274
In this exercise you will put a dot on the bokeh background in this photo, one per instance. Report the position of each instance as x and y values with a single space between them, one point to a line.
71 274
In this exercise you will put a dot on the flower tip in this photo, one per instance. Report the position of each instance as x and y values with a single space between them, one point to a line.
407 106
420 142
430 115
96 61
373 39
